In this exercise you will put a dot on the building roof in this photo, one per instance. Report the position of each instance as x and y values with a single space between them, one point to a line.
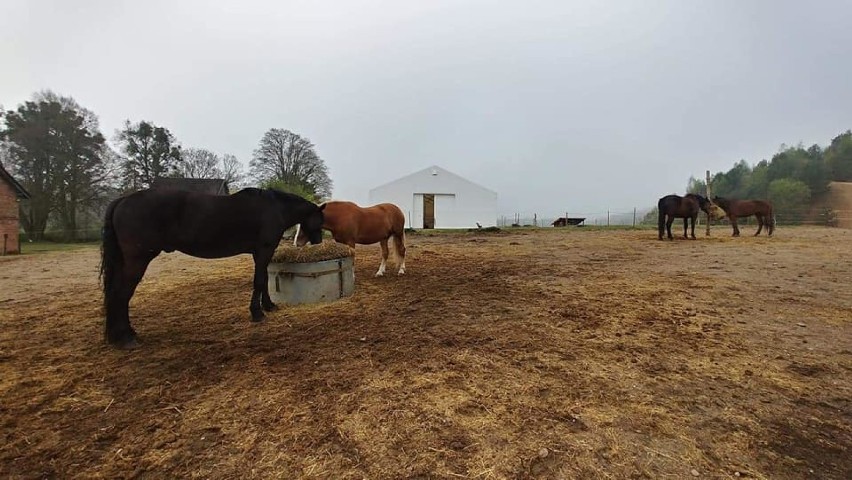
216 186
434 170
21 192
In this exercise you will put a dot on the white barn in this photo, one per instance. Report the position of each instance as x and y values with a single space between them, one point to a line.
437 198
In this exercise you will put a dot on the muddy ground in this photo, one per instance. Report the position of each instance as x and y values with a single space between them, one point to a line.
537 354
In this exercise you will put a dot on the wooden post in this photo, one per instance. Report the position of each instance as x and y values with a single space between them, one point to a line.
707 191
607 218
634 217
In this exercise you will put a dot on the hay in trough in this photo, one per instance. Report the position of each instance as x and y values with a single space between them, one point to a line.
311 253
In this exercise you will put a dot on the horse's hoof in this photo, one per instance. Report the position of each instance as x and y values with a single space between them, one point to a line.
271 307
130 344
380 274
257 318
401 272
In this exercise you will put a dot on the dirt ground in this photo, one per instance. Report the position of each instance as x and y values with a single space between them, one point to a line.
564 353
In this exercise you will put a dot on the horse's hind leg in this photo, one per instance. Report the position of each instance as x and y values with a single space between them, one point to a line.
669 221
692 231
385 252
399 243
759 224
119 332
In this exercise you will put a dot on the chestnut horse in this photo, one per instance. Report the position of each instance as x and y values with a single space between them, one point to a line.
686 207
762 210
351 224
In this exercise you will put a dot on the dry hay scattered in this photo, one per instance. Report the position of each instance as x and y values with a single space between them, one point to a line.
311 253
552 353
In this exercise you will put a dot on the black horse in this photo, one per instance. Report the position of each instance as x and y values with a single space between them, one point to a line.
138 226
686 207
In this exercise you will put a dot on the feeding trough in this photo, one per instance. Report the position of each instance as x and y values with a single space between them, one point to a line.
311 274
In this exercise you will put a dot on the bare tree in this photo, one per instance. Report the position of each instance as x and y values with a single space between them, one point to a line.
198 163
232 171
202 163
291 159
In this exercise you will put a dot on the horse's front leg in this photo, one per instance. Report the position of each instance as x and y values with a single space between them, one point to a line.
733 220
260 299
685 226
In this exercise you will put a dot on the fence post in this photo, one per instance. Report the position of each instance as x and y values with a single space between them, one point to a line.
634 217
607 218
707 191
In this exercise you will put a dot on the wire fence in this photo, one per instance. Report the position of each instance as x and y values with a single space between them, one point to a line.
645 217
90 228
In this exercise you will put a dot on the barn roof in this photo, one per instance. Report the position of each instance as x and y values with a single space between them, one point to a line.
19 189
434 170
216 186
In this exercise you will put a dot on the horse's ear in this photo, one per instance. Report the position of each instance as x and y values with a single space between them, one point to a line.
322 207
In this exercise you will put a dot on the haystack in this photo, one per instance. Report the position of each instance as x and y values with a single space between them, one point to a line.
328 250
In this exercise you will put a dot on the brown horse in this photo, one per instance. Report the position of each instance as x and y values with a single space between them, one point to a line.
351 224
744 208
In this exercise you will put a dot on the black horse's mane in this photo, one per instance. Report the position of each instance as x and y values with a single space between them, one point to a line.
285 196
273 193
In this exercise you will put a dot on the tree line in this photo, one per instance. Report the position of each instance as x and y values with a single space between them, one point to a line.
791 179
55 148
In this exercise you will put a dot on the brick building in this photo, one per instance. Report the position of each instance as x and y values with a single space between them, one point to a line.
11 192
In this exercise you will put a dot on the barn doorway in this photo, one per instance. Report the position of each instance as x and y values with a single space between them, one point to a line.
428 210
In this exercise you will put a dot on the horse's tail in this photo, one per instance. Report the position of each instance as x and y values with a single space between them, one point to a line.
398 234
399 244
112 259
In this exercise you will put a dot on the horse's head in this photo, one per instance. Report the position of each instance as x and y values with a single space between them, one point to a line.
721 201
705 204
310 228
716 208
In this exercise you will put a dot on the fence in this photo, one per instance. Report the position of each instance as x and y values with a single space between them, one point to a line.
623 217
637 217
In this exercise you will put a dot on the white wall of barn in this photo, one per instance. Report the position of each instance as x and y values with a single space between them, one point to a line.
459 203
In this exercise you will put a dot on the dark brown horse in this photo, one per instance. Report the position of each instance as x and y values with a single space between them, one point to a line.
686 207
139 226
352 224
762 210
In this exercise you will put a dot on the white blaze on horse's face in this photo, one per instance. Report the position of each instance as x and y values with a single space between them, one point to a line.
300 239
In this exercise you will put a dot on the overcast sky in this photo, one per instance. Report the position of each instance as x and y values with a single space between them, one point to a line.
556 105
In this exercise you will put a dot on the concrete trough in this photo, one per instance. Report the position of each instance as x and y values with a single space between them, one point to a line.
312 282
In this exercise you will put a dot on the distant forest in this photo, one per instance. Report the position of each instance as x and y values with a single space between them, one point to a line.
793 180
